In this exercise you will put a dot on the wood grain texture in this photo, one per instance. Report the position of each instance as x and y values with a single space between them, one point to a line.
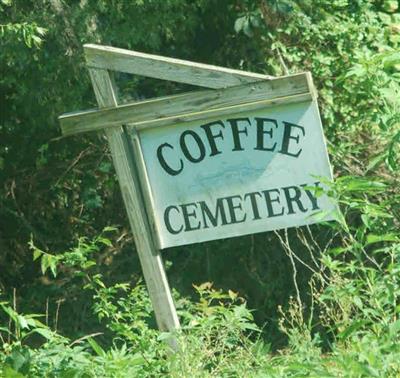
133 135
226 111
199 104
160 67
149 255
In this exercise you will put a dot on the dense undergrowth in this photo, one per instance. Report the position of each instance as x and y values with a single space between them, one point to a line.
325 298
350 327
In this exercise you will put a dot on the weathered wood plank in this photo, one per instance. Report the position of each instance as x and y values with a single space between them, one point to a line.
160 67
134 137
207 101
150 258
220 112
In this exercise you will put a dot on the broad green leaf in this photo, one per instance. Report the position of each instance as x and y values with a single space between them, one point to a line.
45 332
9 372
364 185
105 241
10 312
372 238
376 161
53 267
232 295
352 328
3 329
136 359
22 322
44 264
110 229
391 60
239 24
394 328
36 254
96 347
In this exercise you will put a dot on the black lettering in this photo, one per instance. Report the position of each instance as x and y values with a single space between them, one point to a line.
311 197
185 149
167 168
237 146
213 218
211 137
269 201
167 220
295 198
261 131
253 201
287 136
232 207
187 215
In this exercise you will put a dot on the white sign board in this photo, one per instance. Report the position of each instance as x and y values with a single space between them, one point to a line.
236 175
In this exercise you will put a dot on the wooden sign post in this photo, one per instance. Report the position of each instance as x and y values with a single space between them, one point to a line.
243 157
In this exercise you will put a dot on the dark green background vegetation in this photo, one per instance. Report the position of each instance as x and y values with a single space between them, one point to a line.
54 190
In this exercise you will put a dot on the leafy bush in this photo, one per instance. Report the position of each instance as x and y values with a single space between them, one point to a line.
326 307
351 327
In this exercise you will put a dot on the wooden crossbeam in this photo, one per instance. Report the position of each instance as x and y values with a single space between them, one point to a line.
160 67
192 106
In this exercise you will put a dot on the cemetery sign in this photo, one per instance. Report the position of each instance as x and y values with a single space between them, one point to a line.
246 156
234 175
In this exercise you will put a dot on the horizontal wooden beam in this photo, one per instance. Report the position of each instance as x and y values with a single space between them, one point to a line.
222 112
160 67
193 105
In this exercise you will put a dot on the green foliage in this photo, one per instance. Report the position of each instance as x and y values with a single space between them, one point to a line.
30 34
326 307
356 304
78 258
215 329
354 310
23 325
